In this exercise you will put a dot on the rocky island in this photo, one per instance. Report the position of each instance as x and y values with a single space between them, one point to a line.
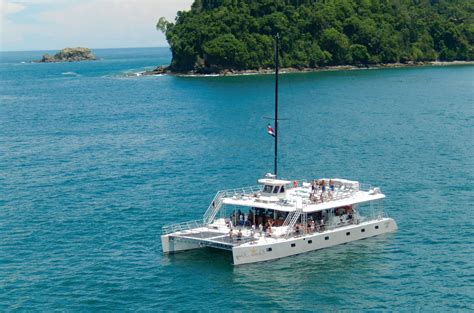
228 37
69 55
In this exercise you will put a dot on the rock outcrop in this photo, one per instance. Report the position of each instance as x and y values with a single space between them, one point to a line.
69 55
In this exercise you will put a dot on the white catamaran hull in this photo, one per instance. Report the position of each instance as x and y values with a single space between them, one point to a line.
258 252
271 249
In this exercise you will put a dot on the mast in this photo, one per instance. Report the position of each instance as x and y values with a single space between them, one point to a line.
277 44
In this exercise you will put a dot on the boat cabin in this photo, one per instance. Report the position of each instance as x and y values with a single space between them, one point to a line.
274 187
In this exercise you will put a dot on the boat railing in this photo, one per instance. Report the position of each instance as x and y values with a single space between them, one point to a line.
216 204
328 225
244 191
168 229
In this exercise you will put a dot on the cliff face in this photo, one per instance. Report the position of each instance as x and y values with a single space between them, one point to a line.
69 55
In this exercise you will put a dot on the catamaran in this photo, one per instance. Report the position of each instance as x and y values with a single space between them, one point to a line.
283 217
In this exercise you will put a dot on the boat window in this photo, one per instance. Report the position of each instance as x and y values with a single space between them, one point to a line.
276 189
377 227
267 189
326 238
269 249
363 230
282 189
293 244
310 241
348 233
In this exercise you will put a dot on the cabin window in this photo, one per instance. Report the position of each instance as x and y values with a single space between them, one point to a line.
267 189
282 189
362 230
326 238
293 245
269 249
348 233
310 241
276 189
377 227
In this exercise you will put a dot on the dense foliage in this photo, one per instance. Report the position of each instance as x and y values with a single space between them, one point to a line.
238 34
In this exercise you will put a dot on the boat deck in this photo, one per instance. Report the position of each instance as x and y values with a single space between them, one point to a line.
206 238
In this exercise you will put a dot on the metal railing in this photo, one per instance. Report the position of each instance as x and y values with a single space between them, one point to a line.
168 229
365 187
216 203
213 209
293 219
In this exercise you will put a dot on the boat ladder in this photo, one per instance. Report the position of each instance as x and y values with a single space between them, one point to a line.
213 208
291 221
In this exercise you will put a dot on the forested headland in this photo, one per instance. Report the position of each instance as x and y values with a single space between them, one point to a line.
217 35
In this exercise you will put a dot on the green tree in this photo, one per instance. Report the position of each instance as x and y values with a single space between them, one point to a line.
238 34
337 44
226 51
359 54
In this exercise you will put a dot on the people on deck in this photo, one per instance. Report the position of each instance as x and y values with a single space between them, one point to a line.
269 230
331 185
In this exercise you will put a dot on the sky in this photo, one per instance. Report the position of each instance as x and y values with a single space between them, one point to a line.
57 24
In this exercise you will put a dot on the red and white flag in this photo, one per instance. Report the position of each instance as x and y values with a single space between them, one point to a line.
270 130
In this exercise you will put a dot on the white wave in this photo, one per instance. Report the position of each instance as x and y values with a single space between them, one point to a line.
70 73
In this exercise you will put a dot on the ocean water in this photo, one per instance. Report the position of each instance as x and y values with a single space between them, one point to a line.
93 163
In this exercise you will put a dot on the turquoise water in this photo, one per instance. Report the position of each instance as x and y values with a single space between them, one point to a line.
94 163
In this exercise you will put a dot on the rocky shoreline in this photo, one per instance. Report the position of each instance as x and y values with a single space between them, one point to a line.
165 70
69 55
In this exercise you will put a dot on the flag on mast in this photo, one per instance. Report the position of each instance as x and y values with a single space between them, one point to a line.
270 130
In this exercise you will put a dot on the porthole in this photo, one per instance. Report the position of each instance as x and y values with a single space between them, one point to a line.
348 233
362 230
326 238
293 245
269 249
310 241
377 227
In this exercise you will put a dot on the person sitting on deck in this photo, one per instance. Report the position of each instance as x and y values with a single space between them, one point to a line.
321 225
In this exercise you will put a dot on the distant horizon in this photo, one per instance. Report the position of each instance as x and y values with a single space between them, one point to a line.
43 25
92 49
